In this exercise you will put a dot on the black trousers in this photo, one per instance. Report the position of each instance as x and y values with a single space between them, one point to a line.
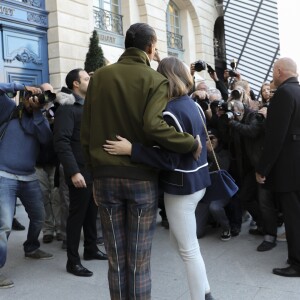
290 203
82 214
269 210
249 197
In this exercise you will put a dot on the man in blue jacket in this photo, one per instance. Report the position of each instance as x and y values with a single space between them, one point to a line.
22 130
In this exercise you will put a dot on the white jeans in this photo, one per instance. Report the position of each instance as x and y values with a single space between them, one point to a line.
180 211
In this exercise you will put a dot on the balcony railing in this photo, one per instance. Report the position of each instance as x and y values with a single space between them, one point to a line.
108 21
174 41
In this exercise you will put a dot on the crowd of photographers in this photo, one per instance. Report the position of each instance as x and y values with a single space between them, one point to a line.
235 120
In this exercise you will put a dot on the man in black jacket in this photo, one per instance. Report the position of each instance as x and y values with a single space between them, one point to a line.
279 166
82 209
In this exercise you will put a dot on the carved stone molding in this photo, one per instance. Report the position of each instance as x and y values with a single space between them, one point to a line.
26 56
35 3
36 18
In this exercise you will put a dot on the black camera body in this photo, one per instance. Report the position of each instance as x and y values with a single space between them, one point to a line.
236 94
210 70
43 98
204 103
232 73
228 109
200 65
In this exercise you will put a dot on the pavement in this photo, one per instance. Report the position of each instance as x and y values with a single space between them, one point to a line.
235 270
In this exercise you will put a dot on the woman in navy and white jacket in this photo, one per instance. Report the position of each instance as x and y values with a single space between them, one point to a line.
183 179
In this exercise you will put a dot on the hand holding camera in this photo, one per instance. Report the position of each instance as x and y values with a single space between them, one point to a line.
33 90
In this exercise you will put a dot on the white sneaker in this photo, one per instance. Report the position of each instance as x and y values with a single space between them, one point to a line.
5 283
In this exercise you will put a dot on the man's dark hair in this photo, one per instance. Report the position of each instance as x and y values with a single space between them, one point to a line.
73 76
140 35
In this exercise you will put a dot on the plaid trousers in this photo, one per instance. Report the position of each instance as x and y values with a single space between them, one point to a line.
128 211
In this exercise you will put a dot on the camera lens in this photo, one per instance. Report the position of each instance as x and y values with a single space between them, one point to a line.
236 94
199 65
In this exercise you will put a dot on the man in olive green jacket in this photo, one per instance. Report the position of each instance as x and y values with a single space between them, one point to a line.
127 98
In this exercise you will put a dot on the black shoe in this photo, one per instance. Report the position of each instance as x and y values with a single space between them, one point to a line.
256 231
100 241
16 225
265 246
209 296
99 255
235 231
286 272
165 223
78 270
48 238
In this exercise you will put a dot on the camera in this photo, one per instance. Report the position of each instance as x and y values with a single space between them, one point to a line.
43 98
232 73
204 103
236 94
228 109
199 65
233 66
225 106
210 70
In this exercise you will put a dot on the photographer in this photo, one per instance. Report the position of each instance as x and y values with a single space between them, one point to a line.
45 169
246 130
22 130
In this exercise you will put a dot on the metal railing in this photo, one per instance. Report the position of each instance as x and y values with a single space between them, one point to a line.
108 21
174 41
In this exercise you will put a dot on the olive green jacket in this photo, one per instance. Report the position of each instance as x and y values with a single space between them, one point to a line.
127 98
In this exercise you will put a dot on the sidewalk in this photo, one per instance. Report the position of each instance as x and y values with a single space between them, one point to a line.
236 271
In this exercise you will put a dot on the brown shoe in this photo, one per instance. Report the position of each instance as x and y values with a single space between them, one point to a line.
48 238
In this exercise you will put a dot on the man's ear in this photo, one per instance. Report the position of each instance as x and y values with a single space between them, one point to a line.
75 83
149 49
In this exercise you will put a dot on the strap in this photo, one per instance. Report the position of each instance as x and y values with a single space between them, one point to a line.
213 151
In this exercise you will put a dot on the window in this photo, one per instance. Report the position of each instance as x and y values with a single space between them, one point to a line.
173 24
109 5
107 16
173 27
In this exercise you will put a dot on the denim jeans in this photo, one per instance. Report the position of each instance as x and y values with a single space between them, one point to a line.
31 197
217 210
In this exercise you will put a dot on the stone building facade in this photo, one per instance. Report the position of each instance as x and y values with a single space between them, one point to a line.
71 23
